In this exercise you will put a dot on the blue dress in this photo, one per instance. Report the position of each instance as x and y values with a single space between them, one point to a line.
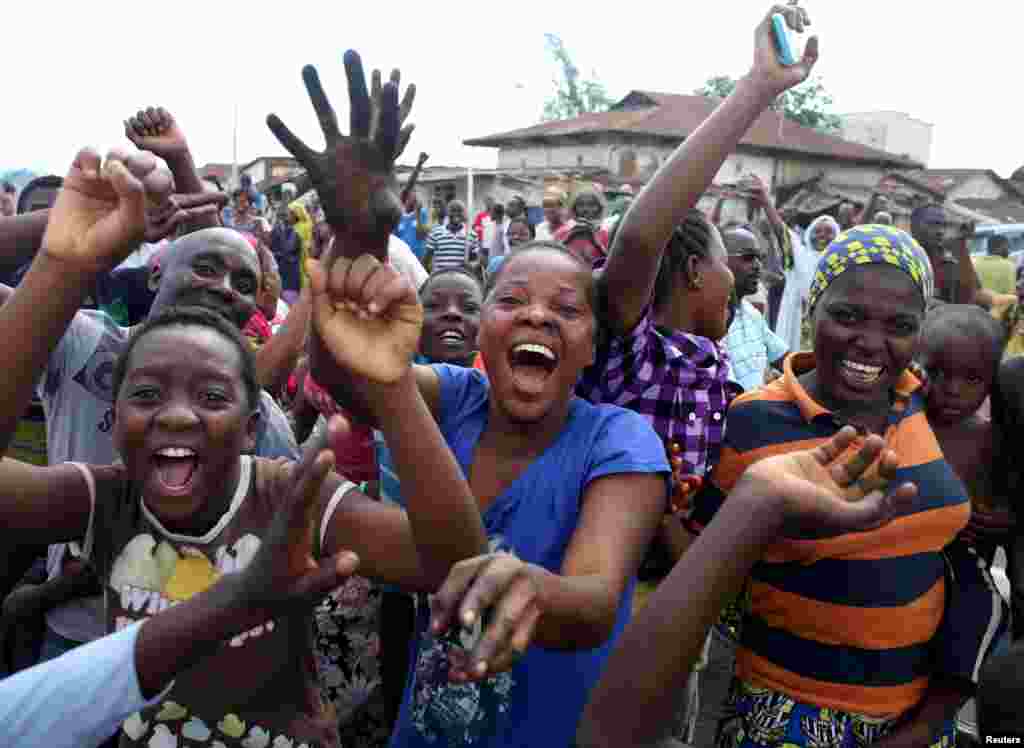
540 700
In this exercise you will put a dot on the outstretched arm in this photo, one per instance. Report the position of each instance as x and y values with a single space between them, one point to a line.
105 681
646 228
354 177
798 495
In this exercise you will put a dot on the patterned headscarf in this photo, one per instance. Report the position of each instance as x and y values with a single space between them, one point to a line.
872 244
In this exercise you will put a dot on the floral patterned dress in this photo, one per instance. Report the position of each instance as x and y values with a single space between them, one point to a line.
347 646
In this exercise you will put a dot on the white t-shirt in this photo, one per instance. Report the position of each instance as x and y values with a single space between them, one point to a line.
78 399
404 260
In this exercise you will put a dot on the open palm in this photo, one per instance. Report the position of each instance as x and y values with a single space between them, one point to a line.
830 490
354 173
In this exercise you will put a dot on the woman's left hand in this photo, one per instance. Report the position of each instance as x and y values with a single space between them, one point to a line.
504 592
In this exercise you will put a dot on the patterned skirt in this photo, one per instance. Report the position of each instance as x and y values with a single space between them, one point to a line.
760 718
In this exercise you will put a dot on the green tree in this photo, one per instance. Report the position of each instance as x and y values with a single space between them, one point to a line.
808 104
574 95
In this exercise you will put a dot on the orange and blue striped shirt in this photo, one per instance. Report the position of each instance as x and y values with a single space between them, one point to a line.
847 622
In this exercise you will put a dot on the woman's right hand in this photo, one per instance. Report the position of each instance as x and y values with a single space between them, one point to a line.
367 316
767 70
100 213
820 494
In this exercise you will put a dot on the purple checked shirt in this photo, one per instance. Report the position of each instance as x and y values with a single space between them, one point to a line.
678 382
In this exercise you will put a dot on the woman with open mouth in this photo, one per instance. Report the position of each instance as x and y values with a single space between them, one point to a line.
865 635
570 494
188 504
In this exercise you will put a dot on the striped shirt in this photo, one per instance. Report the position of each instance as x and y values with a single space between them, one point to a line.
849 622
678 382
449 249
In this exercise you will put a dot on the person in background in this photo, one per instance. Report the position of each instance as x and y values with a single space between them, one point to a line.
554 215
412 227
956 282
304 228
453 244
8 203
483 218
495 243
517 233
286 245
996 271
846 215
515 208
256 198
751 344
438 212
817 236
1009 310
245 218
586 207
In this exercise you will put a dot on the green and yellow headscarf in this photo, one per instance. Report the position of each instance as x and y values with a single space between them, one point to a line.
872 244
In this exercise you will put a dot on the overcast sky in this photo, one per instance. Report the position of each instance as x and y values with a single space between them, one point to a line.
74 71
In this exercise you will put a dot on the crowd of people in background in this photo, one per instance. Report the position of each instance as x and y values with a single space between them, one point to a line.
346 465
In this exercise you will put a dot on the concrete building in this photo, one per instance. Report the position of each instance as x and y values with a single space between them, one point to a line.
631 140
894 132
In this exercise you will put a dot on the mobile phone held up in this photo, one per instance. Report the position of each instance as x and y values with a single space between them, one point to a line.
784 46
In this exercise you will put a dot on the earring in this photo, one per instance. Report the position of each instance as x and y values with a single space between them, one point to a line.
697 283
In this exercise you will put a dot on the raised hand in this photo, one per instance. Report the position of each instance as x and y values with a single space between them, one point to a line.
100 214
284 572
156 131
354 175
767 69
367 317
508 590
826 491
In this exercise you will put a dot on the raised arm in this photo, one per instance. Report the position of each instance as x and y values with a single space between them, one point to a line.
156 131
99 217
369 318
354 177
795 495
410 183
635 257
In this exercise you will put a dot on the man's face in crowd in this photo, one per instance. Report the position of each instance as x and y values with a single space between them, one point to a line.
214 268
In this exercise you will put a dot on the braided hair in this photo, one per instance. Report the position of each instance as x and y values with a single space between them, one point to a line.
691 238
